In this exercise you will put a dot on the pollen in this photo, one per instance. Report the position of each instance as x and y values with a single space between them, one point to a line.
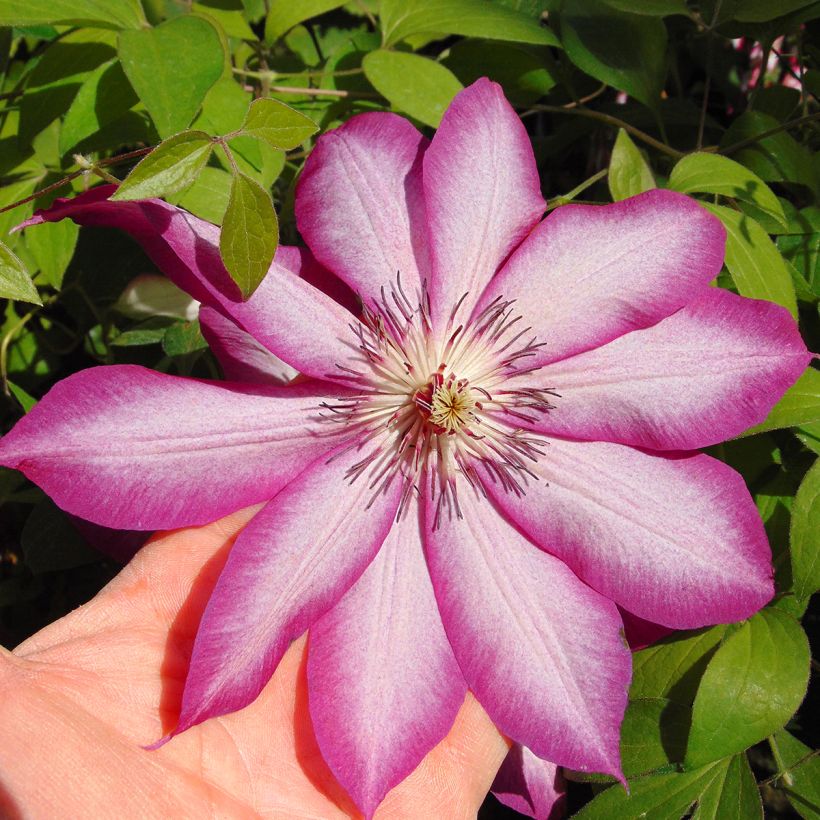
452 405
435 409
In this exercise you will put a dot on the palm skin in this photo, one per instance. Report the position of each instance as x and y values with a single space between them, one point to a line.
80 699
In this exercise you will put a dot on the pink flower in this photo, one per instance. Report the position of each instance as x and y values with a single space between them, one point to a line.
467 479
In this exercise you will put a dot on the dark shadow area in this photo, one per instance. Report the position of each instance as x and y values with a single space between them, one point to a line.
181 635
307 747
9 810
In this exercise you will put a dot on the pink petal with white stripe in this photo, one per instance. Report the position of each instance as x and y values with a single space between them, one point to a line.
131 448
383 684
482 192
590 273
294 320
541 651
290 565
360 206
701 376
675 539
531 786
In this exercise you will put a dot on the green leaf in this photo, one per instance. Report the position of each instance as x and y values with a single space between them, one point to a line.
651 8
183 338
59 75
653 735
776 158
800 405
658 797
15 283
672 668
755 264
27 401
149 332
50 543
416 85
805 535
713 174
752 686
285 14
760 11
802 765
522 73
277 124
52 245
103 97
103 13
229 14
173 165
171 68
627 51
629 173
733 793
470 18
250 234
208 197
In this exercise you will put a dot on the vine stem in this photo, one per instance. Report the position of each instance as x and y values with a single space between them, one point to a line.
784 126
613 121
139 152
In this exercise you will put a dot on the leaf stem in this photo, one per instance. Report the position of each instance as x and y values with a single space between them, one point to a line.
578 189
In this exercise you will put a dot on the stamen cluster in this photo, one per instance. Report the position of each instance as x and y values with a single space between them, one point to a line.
439 404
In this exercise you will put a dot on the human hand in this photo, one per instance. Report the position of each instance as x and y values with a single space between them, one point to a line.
80 699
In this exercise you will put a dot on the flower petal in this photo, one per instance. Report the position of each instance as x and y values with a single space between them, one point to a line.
529 785
359 203
482 192
542 652
289 566
241 357
590 273
384 686
675 539
294 320
131 448
701 376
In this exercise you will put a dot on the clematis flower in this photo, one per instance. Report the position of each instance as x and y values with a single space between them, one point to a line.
471 474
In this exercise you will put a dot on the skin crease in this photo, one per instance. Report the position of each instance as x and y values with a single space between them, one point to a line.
80 698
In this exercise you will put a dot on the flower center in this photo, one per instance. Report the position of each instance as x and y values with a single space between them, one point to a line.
446 405
429 408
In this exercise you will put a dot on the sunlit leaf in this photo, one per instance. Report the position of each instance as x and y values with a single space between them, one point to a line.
673 667
752 686
713 174
15 283
171 67
285 14
103 97
802 774
279 125
800 405
52 246
661 796
629 173
105 13
470 18
755 264
805 535
416 85
173 165
250 234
